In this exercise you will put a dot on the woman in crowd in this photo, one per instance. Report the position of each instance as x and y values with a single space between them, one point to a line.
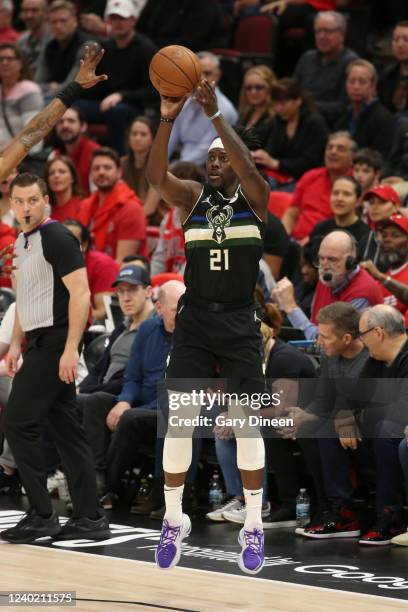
255 101
344 202
297 136
140 139
305 288
21 98
63 188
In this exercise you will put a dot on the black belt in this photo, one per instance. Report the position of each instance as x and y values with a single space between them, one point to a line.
216 306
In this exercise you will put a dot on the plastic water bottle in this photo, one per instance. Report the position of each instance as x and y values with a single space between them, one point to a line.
215 492
302 509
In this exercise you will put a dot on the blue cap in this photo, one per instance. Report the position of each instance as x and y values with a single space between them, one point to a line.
134 275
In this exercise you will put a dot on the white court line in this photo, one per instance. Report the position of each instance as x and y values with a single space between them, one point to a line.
193 569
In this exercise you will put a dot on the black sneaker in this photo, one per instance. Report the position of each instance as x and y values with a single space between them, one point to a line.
340 522
387 527
31 527
317 519
84 527
9 483
283 516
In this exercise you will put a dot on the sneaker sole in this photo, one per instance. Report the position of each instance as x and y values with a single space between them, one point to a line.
368 543
327 536
54 534
279 524
90 535
218 519
177 556
241 561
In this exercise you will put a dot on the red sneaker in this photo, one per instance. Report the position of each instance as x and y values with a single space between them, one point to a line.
341 522
388 526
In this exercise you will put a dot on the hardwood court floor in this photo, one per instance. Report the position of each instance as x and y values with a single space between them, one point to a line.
121 580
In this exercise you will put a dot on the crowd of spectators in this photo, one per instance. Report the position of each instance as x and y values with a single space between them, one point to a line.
329 132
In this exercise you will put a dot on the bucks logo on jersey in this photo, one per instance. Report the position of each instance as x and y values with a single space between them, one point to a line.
218 221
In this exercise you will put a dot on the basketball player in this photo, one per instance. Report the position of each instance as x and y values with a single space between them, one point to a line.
216 319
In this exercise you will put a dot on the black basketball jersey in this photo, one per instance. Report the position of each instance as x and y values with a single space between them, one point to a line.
223 245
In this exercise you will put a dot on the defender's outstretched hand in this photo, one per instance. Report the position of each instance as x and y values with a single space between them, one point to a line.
86 74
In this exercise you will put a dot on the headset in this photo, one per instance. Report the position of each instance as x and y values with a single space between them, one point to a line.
351 262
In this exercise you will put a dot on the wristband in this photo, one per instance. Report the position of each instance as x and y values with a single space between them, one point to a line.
70 93
215 115
167 119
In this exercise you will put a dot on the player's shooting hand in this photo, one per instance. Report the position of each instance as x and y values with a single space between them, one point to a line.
171 107
86 74
114 415
205 96
68 365
13 357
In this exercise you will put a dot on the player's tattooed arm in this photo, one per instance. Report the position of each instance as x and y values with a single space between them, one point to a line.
46 119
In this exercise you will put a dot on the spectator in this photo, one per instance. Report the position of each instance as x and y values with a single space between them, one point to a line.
311 199
344 202
382 330
141 133
196 25
369 122
101 269
367 168
71 130
7 33
63 188
340 279
193 132
393 81
383 201
59 63
114 213
125 414
33 41
255 101
305 288
128 91
344 358
169 255
297 136
92 14
395 168
21 97
322 71
394 282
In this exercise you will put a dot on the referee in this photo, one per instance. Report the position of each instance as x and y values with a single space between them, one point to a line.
53 298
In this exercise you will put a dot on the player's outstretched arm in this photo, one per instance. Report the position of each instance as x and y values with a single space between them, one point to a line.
45 120
175 191
253 185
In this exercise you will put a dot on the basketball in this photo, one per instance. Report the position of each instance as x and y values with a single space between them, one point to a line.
175 71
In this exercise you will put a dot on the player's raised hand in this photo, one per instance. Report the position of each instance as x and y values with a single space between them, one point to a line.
171 107
205 96
86 74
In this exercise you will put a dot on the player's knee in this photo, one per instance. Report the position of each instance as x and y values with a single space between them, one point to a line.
250 453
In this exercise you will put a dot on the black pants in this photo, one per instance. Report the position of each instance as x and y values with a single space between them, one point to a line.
94 408
38 393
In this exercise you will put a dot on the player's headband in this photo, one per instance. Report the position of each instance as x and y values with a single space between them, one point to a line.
216 144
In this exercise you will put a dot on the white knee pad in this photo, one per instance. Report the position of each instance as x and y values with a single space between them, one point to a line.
178 446
250 453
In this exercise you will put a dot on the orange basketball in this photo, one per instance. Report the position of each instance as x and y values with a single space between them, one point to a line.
175 71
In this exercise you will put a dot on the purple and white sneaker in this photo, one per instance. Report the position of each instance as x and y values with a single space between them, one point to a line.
252 558
168 551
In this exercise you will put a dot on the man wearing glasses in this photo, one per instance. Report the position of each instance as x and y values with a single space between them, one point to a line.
340 279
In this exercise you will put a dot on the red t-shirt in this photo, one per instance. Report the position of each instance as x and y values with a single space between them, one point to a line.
322 5
127 223
312 197
7 236
68 211
81 156
102 271
400 275
362 285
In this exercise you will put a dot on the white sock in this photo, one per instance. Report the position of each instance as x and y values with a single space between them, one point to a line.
173 497
253 503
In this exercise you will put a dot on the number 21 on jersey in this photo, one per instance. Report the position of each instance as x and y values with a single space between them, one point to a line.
219 259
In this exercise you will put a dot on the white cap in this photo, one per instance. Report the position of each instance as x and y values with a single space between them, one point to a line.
124 8
216 144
